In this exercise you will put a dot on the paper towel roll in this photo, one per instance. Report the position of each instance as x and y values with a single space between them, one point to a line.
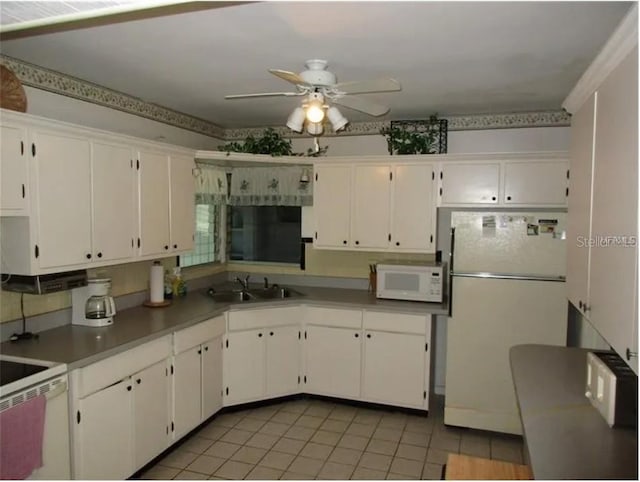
156 283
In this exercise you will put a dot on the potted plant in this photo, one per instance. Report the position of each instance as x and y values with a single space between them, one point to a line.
416 137
270 143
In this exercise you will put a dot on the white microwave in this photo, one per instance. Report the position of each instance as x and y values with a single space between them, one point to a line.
410 281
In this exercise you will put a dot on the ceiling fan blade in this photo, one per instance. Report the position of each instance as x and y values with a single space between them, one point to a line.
264 94
365 86
363 105
288 76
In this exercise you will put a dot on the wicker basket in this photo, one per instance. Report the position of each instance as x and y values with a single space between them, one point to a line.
12 95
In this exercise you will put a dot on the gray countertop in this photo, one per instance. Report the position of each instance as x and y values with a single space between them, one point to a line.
566 436
78 346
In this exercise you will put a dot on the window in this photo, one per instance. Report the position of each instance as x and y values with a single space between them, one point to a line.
265 233
206 246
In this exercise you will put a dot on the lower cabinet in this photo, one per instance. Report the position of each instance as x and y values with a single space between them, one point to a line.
123 426
333 358
197 374
261 363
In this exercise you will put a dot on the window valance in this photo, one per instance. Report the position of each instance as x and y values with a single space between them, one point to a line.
272 186
211 185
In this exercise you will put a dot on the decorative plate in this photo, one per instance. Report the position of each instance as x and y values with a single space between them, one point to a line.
12 95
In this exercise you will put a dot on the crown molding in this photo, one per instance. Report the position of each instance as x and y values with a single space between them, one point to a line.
61 84
621 42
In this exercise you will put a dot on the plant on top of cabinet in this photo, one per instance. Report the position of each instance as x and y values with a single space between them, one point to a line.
417 137
271 143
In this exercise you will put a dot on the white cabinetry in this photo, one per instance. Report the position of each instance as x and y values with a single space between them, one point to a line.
603 210
375 206
120 412
14 172
262 354
71 197
197 374
525 182
396 359
333 352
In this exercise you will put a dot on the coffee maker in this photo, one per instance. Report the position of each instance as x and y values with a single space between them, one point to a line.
93 305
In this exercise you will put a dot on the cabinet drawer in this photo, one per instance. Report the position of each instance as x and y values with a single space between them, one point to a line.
395 322
115 368
196 334
264 318
334 317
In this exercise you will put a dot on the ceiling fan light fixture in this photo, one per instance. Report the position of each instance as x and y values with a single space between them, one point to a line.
315 111
314 128
338 121
295 122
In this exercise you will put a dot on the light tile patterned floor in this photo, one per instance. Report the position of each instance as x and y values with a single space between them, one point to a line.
317 439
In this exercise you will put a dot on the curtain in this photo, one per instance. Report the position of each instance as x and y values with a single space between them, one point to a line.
271 186
211 185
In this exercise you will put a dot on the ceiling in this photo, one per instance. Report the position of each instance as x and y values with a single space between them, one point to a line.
452 58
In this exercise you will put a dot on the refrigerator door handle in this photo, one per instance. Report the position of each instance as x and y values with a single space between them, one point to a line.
452 242
523 277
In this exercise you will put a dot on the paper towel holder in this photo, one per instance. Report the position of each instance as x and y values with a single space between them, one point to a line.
159 282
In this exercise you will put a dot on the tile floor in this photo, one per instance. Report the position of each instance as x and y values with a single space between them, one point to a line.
316 439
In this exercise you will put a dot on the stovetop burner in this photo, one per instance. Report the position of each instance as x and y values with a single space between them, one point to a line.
12 371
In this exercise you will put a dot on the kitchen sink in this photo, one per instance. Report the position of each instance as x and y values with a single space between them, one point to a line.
255 294
275 292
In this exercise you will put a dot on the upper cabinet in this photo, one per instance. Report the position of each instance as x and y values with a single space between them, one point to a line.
602 252
375 206
526 182
75 198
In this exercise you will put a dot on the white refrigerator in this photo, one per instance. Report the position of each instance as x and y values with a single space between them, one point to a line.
507 288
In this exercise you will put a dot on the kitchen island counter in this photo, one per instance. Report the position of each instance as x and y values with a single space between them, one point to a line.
79 346
565 435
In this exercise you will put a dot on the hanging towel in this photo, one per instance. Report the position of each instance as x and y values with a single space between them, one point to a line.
21 434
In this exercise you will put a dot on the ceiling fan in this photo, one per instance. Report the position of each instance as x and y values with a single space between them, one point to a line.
318 87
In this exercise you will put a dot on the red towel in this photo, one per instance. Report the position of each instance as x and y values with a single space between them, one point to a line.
21 433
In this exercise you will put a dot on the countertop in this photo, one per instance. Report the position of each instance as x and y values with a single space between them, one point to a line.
566 436
78 346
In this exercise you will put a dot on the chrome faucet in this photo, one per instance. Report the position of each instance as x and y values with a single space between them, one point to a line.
244 283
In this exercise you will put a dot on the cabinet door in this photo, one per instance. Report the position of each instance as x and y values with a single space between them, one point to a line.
63 171
13 171
333 361
182 203
151 391
371 207
114 203
244 367
413 208
187 395
394 368
614 277
539 183
469 183
154 203
105 441
283 360
579 218
211 377
332 205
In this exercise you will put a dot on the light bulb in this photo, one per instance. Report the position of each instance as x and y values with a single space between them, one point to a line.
315 112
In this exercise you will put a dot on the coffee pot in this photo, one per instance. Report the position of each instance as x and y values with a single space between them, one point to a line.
93 305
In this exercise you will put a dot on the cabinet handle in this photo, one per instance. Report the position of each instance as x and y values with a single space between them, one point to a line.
357 335
128 388
368 335
344 242
493 198
88 255
508 198
175 246
100 255
166 246
206 348
271 333
23 192
580 304
357 242
397 243
199 352
259 335
138 381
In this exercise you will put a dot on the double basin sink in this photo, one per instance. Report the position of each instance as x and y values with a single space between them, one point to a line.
253 294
